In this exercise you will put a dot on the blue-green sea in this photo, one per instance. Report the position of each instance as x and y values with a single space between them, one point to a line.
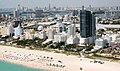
5 66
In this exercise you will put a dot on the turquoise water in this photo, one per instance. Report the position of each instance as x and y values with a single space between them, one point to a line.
5 66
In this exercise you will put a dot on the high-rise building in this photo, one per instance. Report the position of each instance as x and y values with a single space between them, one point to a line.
10 29
16 13
87 26
71 30
51 33
16 23
85 23
75 13
93 25
18 31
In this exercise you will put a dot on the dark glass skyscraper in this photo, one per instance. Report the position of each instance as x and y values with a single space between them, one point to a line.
87 24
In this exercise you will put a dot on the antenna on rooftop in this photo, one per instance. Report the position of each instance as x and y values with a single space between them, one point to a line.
90 7
19 6
49 6
82 7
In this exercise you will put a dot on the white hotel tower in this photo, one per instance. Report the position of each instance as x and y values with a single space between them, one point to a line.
18 31
71 30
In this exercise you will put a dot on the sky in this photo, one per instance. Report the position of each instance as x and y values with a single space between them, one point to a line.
58 3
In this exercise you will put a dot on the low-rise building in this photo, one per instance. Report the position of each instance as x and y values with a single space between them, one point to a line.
42 35
73 40
3 30
60 37
100 43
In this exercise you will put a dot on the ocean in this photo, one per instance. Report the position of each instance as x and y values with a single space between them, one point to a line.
6 66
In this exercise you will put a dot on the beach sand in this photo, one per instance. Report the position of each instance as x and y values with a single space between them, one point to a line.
53 61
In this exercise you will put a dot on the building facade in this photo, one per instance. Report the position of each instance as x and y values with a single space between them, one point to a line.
51 33
87 26
18 31
3 30
10 29
71 30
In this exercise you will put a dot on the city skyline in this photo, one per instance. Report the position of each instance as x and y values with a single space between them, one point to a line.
57 3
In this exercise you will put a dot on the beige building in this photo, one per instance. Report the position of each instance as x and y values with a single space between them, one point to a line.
3 30
29 33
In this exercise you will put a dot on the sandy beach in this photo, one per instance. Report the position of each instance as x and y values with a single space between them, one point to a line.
53 61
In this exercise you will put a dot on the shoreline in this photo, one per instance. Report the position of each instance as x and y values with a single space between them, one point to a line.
52 61
32 64
21 65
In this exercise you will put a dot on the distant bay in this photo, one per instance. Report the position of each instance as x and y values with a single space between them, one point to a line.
6 66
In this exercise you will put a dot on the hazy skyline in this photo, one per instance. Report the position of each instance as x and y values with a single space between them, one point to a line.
58 3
